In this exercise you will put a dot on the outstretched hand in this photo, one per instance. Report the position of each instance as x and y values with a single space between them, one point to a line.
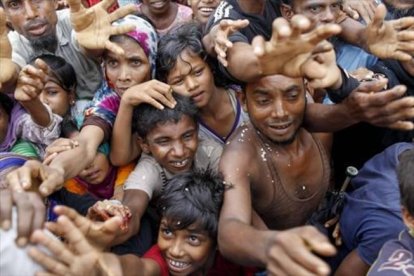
388 108
220 37
93 25
33 172
293 252
79 258
390 39
291 46
7 66
31 81
360 9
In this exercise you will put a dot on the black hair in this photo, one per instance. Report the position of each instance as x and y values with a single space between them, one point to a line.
6 103
62 71
187 36
406 180
146 117
193 197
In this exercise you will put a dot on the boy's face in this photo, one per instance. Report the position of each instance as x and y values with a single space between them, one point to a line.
202 9
173 145
186 251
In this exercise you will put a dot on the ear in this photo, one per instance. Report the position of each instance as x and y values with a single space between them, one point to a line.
144 145
408 219
286 11
72 98
242 99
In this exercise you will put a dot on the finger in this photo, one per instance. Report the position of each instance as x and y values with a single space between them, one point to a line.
299 24
220 50
367 12
351 12
222 60
73 235
323 32
50 158
122 12
239 24
280 29
406 35
331 222
372 86
318 242
122 29
114 48
399 110
39 207
78 220
401 56
51 183
403 23
55 246
258 44
48 262
25 213
75 5
387 96
13 181
43 66
402 125
5 209
379 16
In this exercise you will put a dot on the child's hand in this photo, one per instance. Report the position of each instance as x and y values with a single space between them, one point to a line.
106 209
152 92
31 81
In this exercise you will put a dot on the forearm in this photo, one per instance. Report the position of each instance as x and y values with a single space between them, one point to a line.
327 118
243 64
123 148
73 161
235 241
38 112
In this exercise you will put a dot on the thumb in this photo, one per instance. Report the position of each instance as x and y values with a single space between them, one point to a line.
112 225
379 16
372 86
75 5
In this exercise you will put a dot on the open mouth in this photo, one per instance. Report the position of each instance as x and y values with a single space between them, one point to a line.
180 164
280 129
158 4
206 11
198 96
177 266
37 30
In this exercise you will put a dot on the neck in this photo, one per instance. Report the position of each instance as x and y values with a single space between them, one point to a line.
292 149
217 102
249 6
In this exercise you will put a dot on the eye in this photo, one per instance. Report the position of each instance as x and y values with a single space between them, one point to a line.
178 82
292 95
13 4
188 136
194 240
262 101
162 141
198 72
166 232
336 6
315 9
51 93
111 63
136 62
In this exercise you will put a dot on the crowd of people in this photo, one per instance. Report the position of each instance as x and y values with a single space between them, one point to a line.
207 137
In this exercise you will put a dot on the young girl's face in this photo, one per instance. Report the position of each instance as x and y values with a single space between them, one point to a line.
186 251
58 99
192 76
130 69
97 171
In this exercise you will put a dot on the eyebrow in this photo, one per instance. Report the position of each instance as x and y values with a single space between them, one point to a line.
291 88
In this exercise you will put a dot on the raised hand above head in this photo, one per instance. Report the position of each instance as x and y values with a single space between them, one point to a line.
93 25
8 67
291 46
392 39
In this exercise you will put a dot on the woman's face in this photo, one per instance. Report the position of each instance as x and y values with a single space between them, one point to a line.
130 69
97 171
58 99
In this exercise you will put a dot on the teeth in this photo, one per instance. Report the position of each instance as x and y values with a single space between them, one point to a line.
178 264
180 163
206 9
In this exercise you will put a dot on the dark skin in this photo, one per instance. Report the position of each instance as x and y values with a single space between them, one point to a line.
163 18
250 178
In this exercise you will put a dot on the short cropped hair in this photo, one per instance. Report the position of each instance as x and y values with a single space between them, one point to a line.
193 197
62 71
184 37
405 174
146 117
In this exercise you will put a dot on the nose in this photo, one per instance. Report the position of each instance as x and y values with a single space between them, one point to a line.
124 74
178 149
30 9
176 250
191 83
328 16
279 111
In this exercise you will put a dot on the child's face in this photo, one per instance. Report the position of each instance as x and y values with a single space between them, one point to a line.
157 6
128 70
202 9
192 76
97 171
4 124
186 251
173 145
56 98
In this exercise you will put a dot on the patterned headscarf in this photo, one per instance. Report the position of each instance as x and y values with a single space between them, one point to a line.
144 34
